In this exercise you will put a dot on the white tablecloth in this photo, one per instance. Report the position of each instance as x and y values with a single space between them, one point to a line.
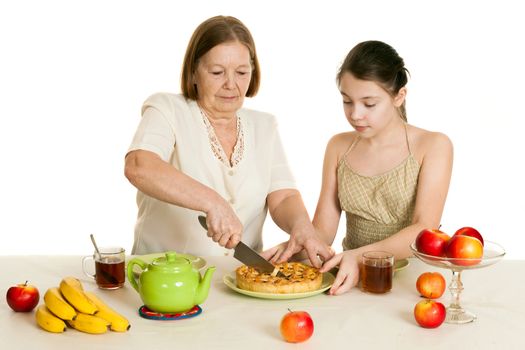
233 321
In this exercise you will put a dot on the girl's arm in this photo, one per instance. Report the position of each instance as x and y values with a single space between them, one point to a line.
328 211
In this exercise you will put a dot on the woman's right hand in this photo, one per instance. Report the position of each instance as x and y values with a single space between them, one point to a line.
224 227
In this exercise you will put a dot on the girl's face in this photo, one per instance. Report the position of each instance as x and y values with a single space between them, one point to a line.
367 106
223 76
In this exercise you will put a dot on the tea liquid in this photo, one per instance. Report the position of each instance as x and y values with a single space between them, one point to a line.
109 273
376 279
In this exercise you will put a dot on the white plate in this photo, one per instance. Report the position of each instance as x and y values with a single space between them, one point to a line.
230 281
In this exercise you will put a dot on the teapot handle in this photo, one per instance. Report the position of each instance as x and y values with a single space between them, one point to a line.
131 274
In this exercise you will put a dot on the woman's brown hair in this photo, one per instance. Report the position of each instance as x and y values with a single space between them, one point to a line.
378 62
210 33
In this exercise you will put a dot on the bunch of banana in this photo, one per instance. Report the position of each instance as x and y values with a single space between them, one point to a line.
83 311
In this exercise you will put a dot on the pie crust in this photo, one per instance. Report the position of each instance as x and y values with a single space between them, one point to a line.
299 278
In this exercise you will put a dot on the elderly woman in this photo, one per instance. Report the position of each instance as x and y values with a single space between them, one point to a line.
202 152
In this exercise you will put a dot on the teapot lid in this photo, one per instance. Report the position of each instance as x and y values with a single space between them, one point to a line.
171 260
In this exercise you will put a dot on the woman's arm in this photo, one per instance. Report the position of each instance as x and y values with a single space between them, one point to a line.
433 184
156 178
325 222
287 209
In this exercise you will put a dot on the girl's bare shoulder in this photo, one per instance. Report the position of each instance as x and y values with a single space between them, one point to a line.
341 141
337 146
423 141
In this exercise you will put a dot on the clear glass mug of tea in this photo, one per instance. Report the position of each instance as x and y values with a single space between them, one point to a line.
109 267
377 271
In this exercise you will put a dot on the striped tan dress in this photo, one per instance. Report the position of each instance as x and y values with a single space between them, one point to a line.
376 206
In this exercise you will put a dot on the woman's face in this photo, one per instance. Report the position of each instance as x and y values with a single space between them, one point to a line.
367 106
223 77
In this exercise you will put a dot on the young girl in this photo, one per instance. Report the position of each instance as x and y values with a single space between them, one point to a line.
390 178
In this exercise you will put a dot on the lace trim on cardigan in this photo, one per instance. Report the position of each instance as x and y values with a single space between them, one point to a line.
216 147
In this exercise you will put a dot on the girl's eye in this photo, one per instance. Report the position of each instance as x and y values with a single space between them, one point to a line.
347 102
369 105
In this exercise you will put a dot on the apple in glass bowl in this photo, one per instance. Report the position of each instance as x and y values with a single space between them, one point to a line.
470 231
432 242
464 250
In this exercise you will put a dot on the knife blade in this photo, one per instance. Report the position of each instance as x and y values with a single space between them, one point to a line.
247 255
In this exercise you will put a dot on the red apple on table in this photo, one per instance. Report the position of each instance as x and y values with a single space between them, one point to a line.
297 326
432 242
431 285
465 250
429 313
470 231
22 297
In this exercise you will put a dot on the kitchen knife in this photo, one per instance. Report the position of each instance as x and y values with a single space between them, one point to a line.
247 255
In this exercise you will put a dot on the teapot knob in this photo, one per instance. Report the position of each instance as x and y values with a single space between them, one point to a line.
170 257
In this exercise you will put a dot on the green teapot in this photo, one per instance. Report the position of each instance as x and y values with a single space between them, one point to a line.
170 283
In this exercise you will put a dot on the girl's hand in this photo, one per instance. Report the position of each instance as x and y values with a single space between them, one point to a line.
224 227
348 274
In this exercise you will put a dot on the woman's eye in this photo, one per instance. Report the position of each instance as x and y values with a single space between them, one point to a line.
369 105
243 73
216 72
347 102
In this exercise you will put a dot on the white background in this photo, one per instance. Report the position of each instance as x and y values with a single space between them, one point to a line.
73 76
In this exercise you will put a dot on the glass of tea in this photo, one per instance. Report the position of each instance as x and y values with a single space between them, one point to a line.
109 267
377 271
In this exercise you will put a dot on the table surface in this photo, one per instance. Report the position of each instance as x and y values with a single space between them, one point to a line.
233 321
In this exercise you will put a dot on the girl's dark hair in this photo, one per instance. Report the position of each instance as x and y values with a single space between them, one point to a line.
379 62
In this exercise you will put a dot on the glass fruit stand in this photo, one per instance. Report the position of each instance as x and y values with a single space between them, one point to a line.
492 253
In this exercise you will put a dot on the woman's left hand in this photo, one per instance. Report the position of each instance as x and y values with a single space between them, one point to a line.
303 238
348 274
274 252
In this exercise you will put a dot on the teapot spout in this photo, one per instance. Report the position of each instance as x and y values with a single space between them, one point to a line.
204 286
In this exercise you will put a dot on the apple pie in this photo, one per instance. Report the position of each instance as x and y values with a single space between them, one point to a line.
298 278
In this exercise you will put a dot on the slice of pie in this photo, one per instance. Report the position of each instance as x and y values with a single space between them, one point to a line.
299 278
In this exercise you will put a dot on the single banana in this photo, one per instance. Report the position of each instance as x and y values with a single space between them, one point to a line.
118 322
72 290
48 321
56 303
89 324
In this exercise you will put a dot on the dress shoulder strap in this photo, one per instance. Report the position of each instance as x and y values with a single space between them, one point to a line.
406 136
352 145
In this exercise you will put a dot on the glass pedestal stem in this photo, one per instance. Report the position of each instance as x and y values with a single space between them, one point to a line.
455 312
